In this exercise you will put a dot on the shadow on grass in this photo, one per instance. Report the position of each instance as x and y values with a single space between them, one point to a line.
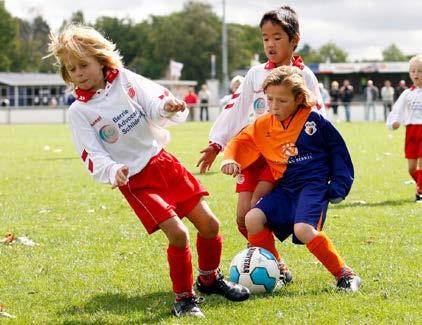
55 158
370 204
205 174
151 308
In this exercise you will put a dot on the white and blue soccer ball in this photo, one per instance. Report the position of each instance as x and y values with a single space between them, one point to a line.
255 268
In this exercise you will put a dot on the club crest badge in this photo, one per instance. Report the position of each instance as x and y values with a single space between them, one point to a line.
288 150
310 128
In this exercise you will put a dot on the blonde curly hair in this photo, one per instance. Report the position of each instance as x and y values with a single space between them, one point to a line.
292 78
80 41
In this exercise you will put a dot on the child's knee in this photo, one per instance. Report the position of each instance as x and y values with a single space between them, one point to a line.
212 229
255 220
179 236
304 232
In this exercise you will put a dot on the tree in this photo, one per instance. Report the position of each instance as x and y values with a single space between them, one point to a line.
8 30
308 54
330 52
393 54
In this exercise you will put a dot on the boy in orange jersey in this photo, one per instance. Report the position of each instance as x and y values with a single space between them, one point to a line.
310 161
280 38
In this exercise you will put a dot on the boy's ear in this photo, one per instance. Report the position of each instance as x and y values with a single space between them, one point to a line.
295 40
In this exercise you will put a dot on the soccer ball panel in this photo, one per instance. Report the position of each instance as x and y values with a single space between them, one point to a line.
255 268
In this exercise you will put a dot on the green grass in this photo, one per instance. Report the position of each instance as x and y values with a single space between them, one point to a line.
96 264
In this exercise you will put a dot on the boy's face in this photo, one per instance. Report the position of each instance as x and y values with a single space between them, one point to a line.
415 72
86 74
281 101
277 46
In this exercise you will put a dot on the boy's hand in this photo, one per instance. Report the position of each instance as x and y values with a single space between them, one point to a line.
395 125
174 105
208 156
121 177
231 169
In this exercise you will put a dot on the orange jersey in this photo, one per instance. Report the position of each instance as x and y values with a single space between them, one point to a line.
268 136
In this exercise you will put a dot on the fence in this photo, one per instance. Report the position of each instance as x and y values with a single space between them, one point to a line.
59 115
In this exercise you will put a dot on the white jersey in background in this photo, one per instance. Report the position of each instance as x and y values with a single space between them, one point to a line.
250 99
121 124
407 109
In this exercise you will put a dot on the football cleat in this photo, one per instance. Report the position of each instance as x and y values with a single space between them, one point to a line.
286 275
418 198
188 307
348 281
230 290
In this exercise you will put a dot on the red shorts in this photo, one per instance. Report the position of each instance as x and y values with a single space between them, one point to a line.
250 176
413 142
162 190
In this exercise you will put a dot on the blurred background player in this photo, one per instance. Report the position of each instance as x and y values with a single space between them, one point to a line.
234 86
280 37
407 110
311 163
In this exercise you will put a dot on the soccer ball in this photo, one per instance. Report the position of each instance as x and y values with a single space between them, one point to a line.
255 268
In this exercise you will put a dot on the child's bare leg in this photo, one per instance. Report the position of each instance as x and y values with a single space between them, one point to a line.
243 206
258 233
262 189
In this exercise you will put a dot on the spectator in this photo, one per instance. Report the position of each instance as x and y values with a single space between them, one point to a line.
371 94
44 101
346 94
37 100
335 98
204 98
191 100
70 99
387 96
53 102
400 88
325 95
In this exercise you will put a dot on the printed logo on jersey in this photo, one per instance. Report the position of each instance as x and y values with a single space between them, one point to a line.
288 150
109 133
310 128
97 119
131 92
259 106
240 179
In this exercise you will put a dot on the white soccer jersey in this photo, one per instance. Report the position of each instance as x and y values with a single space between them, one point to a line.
120 125
250 100
407 109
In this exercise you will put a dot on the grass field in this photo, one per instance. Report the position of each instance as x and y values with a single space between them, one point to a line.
95 264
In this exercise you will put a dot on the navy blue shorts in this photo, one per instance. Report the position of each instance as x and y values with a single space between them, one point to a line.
284 207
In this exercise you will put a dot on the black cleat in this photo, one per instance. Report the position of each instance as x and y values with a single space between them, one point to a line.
286 275
418 198
348 281
231 291
188 307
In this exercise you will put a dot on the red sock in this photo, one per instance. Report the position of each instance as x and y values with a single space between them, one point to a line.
324 251
414 176
180 262
419 180
243 231
209 256
265 239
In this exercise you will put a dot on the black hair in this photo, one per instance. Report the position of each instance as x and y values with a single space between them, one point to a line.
285 17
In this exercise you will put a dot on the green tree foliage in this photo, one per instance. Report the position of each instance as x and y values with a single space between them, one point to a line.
30 46
393 54
330 52
8 31
308 54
